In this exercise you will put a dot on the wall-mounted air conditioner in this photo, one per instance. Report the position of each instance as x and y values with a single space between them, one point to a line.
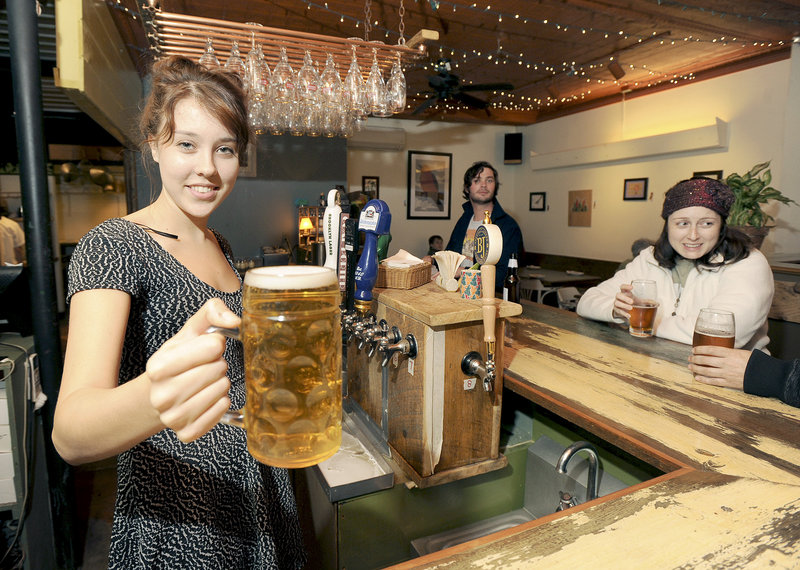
378 138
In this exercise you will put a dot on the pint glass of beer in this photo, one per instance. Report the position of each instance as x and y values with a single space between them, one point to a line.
714 327
291 333
645 305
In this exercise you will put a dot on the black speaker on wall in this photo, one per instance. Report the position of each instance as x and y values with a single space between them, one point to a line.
512 151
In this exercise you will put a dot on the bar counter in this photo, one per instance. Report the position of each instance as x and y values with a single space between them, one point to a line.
730 496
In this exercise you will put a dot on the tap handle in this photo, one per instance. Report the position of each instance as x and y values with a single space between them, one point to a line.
375 220
351 256
488 244
331 221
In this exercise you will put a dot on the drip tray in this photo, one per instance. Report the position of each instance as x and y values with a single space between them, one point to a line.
436 542
358 468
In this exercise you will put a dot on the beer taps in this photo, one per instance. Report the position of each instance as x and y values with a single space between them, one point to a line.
372 335
488 246
473 365
395 343
355 325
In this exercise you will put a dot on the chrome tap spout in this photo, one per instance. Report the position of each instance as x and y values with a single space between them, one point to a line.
594 473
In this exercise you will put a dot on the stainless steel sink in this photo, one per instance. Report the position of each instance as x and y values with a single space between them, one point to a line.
542 486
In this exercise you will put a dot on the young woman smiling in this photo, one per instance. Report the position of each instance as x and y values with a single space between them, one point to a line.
697 262
144 381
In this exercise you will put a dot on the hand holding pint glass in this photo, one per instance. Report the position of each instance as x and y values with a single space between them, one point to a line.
292 357
645 305
714 327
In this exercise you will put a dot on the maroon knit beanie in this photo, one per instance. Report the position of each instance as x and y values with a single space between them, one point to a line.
706 192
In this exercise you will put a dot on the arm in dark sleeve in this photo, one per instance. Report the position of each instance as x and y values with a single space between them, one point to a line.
773 378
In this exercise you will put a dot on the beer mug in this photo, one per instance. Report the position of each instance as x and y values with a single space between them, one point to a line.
292 340
715 327
645 305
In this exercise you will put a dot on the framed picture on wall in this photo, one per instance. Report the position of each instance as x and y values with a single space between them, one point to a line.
715 174
635 189
248 165
580 208
538 201
370 186
429 175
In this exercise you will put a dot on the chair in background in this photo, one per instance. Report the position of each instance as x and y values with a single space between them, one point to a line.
533 289
568 298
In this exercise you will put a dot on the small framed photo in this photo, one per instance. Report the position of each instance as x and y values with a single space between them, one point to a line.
715 174
635 189
429 176
248 164
370 185
538 201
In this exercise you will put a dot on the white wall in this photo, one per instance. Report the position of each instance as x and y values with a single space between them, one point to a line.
755 103
468 143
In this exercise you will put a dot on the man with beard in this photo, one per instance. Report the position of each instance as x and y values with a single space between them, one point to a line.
480 191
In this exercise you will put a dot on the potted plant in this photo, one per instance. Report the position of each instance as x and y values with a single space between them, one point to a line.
751 190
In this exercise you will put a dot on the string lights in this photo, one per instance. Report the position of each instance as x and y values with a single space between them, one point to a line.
593 74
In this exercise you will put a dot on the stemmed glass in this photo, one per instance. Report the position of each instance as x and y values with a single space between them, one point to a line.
376 89
209 58
330 88
282 94
308 107
235 63
396 88
353 93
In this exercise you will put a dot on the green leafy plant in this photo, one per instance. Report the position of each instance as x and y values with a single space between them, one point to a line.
751 190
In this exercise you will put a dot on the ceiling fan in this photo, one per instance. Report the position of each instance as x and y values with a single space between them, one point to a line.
447 85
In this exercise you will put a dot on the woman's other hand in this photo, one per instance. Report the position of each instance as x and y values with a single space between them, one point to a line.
623 302
188 374
719 366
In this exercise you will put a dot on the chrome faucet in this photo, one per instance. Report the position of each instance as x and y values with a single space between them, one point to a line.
594 473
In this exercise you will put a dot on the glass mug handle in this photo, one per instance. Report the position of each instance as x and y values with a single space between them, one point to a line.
231 417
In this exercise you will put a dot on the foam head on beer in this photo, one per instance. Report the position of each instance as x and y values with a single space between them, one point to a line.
289 277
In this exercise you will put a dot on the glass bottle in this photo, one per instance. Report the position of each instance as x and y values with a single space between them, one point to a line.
511 282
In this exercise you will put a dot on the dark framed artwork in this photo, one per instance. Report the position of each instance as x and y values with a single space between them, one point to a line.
635 189
248 164
370 185
429 179
715 174
538 201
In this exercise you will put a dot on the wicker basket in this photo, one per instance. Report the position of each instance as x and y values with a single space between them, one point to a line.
403 277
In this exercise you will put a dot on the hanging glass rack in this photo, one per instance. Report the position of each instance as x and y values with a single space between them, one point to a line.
180 34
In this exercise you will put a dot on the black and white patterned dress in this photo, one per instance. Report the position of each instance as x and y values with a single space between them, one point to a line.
205 504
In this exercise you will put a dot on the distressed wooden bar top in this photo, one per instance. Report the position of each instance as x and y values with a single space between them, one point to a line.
730 497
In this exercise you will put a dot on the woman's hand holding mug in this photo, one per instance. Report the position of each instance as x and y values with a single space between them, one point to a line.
188 374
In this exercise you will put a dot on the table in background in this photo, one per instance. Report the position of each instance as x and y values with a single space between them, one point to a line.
543 281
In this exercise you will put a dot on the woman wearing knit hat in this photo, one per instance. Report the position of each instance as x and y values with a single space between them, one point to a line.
697 262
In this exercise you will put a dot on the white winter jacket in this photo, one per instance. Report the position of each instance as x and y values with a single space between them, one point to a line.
745 288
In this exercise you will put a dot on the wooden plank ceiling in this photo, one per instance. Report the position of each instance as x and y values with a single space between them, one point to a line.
560 56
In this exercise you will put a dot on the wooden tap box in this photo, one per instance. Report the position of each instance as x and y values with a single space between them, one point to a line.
442 424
